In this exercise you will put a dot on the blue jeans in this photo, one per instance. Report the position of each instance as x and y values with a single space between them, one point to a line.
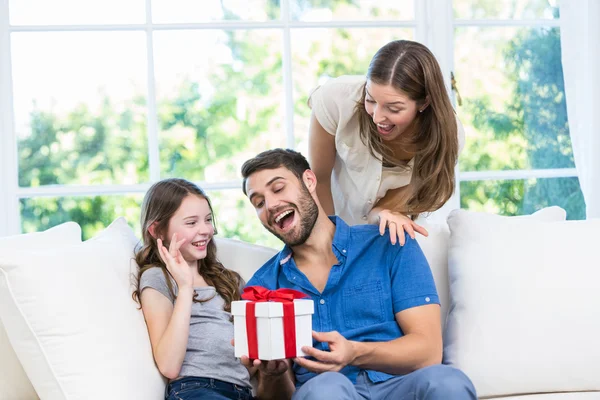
192 388
437 382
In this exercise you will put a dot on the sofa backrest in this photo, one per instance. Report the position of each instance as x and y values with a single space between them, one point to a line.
242 257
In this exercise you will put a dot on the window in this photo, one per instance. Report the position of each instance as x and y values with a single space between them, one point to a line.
110 97
518 156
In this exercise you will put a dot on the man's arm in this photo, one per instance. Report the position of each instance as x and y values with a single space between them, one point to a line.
420 346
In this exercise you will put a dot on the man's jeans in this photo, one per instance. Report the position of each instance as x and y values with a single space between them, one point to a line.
437 382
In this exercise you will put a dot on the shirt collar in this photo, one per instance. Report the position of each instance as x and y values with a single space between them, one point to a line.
340 241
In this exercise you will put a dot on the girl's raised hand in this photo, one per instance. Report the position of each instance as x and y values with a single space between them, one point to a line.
398 224
176 264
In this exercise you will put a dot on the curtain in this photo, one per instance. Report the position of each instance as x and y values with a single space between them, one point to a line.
580 45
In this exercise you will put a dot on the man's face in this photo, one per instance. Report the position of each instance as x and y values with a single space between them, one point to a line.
283 204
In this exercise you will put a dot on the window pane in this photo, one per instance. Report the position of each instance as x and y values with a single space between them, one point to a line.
80 107
77 12
518 197
220 100
349 10
91 213
505 9
237 219
514 109
192 11
319 54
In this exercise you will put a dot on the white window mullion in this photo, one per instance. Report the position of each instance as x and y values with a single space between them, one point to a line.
9 203
519 174
288 82
110 190
152 115
435 29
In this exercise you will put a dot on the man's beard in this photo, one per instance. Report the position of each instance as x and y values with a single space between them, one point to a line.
307 212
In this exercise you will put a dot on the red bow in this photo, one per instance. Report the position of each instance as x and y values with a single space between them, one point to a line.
260 294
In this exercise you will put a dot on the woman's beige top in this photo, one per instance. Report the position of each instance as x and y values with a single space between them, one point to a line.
358 179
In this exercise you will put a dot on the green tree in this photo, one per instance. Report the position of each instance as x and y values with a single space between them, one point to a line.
535 122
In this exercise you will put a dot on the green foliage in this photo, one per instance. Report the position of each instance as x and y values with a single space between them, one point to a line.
205 132
533 126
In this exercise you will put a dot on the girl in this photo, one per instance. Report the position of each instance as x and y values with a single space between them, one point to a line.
384 148
186 294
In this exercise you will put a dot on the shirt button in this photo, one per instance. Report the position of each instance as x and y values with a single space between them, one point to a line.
427 299
378 177
369 202
364 217
322 301
343 251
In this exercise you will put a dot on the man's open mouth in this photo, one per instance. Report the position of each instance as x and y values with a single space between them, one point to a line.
284 219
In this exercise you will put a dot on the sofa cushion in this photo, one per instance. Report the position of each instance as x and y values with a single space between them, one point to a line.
524 304
73 324
14 383
435 246
554 396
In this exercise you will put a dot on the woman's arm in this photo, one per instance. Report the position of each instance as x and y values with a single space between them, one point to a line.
321 156
168 327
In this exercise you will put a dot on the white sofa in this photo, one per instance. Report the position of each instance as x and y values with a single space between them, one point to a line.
520 304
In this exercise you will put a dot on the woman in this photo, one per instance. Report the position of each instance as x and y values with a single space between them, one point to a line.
384 148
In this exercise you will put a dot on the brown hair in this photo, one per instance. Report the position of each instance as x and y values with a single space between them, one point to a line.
275 158
160 203
412 69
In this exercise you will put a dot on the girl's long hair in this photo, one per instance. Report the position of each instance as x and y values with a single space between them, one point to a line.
412 69
162 200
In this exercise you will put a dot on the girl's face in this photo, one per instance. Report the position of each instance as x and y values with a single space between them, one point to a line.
193 222
392 111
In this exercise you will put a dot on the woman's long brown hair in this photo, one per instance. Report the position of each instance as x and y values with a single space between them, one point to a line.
412 69
162 200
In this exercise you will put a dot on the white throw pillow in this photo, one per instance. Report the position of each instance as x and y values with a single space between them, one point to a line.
525 304
242 257
73 324
435 246
14 383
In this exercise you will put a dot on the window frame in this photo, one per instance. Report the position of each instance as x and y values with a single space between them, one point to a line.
428 14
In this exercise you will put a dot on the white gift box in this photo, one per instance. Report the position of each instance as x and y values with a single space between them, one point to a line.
269 327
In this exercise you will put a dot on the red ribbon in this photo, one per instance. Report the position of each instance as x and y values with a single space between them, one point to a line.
259 294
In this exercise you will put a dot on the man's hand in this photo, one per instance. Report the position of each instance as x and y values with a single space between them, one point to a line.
342 353
272 368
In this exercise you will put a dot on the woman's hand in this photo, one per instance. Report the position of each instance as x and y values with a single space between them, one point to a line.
398 224
176 265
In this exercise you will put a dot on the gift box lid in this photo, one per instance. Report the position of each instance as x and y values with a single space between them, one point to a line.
273 309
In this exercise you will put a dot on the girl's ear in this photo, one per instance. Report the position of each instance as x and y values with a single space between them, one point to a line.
152 230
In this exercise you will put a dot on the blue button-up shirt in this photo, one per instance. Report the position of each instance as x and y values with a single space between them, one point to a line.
372 281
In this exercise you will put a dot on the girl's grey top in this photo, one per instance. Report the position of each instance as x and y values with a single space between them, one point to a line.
209 351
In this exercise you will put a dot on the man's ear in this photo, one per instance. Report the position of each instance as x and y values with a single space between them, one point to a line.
152 230
310 180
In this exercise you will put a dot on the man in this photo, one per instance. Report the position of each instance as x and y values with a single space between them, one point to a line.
377 315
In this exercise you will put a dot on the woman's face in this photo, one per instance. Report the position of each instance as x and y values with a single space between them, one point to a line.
392 111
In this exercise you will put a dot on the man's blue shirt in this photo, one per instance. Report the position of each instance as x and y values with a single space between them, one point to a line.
372 281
